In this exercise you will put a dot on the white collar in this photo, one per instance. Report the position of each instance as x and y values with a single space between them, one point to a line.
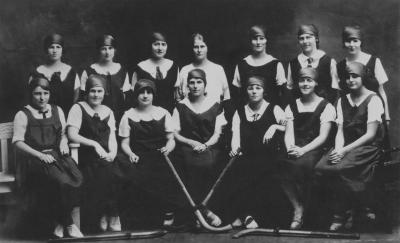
362 58
250 113
205 105
359 102
103 113
113 69
316 56
250 60
63 69
151 68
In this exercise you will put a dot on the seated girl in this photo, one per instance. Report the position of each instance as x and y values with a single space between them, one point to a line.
92 125
39 134
199 122
254 129
147 134
357 148
309 120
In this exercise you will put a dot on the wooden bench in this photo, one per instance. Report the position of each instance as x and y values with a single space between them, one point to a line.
7 169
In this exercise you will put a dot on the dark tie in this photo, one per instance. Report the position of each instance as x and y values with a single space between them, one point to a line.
96 116
55 88
159 75
108 84
44 113
255 116
309 61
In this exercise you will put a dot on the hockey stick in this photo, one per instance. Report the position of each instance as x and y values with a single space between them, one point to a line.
197 212
296 233
114 236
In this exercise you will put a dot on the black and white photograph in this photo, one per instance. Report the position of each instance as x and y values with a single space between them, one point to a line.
200 121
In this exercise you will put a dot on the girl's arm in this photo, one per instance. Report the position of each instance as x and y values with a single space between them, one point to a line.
126 148
372 128
382 93
320 140
289 135
74 136
47 158
170 145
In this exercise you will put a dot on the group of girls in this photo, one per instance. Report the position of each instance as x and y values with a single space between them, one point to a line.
281 130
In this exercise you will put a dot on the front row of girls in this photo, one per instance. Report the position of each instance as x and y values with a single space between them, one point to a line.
192 134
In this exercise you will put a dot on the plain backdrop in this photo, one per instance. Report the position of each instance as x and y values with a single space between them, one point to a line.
24 24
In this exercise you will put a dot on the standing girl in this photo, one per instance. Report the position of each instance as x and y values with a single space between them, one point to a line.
92 124
309 120
64 81
39 133
260 63
217 87
162 71
312 56
199 121
357 147
116 76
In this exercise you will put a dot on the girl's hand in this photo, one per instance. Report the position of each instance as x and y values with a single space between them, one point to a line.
282 121
46 158
100 151
200 148
64 149
336 155
269 134
234 152
109 158
133 158
167 149
295 152
195 144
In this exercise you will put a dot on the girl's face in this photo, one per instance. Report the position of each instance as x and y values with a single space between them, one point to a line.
54 52
196 87
354 81
200 50
353 46
95 96
159 49
307 85
145 97
308 42
258 43
255 93
40 98
107 53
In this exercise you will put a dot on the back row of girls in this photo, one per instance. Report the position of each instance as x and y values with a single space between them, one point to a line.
66 84
146 130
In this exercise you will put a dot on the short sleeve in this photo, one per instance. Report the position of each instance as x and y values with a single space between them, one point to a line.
279 114
124 128
62 119
380 73
77 83
176 120
126 86
220 122
236 78
289 83
334 75
84 78
169 124
280 74
339 112
111 122
329 114
375 109
75 117
289 113
235 143
20 124
134 80
224 84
